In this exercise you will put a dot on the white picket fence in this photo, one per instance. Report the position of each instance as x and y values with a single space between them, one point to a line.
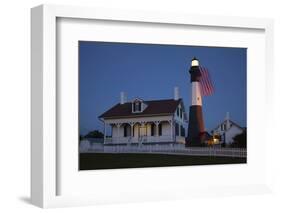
179 149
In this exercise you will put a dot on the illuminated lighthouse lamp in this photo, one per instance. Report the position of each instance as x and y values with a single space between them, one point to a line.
194 62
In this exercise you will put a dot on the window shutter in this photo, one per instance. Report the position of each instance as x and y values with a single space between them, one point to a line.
182 131
160 129
180 113
177 129
133 133
125 130
152 129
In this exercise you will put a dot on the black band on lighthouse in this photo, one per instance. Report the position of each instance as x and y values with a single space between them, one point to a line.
195 73
196 126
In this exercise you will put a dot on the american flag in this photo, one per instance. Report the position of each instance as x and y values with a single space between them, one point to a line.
207 87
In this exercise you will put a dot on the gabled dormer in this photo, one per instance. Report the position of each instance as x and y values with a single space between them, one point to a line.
138 105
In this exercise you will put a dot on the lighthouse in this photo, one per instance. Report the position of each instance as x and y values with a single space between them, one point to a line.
196 128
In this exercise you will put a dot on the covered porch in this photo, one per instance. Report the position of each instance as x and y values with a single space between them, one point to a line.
143 132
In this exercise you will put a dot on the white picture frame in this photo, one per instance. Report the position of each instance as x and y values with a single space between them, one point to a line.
44 154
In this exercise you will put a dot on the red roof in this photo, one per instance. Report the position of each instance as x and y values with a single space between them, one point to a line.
155 107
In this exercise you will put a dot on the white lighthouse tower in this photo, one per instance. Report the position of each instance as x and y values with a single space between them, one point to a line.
196 99
196 129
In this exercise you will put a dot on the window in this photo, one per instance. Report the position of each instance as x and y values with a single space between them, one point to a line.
152 129
160 129
223 127
125 130
178 112
137 106
177 129
182 131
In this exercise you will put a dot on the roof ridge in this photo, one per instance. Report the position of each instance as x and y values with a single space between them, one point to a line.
236 124
170 99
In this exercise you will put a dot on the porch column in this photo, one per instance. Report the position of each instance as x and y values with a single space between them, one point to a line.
132 130
172 128
157 129
141 133
118 131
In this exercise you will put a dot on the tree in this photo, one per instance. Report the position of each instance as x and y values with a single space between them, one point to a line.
240 140
94 134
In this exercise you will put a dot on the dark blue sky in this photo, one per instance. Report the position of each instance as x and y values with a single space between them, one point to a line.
150 72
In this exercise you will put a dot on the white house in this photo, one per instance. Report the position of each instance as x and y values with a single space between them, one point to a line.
146 122
227 130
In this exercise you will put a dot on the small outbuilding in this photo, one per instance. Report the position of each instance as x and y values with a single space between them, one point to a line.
226 130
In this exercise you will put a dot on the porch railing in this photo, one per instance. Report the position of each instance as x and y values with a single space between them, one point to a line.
141 139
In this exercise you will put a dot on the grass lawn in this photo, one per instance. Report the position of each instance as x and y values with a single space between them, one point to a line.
89 161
